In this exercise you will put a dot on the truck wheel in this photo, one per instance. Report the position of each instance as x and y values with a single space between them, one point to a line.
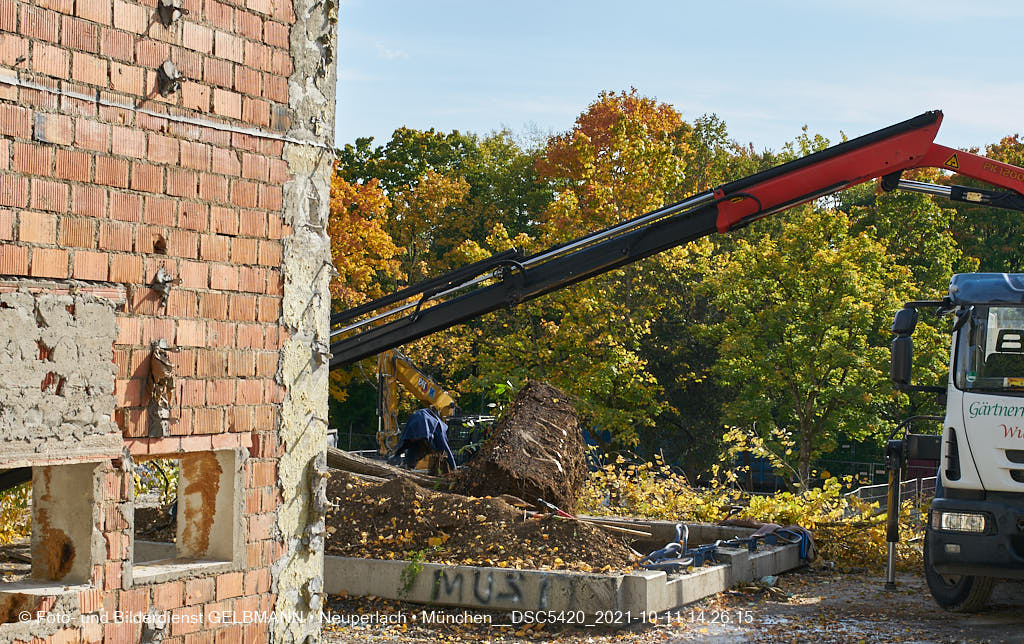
957 593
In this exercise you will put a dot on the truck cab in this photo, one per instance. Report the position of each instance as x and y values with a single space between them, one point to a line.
975 531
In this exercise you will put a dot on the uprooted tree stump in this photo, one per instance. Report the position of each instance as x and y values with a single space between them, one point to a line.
536 451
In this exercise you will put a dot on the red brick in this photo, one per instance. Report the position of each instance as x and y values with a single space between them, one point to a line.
89 265
198 591
115 236
13 49
182 183
223 220
86 68
33 159
63 6
194 275
117 44
159 211
244 251
130 16
15 121
72 165
214 248
6 225
242 308
270 198
195 155
184 362
227 103
37 228
112 172
168 596
195 97
213 187
95 11
255 166
40 24
217 72
191 333
229 46
211 364
125 207
256 111
257 55
190 63
213 306
248 25
150 53
79 34
49 195
13 260
229 585
225 161
77 232
220 392
8 15
127 79
269 253
197 37
275 88
281 63
92 135
182 243
48 60
88 201
193 216
245 194
126 269
13 190
220 14
49 262
223 277
275 34
163 149
157 328
147 178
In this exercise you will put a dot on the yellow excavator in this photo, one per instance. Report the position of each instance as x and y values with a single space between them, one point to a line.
393 369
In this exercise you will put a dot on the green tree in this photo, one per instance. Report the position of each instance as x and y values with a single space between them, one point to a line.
805 312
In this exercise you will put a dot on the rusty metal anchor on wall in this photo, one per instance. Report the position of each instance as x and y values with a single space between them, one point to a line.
161 388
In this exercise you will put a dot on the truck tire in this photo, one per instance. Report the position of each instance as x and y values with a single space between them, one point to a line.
959 594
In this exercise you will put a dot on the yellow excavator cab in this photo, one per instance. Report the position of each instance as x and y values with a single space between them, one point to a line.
393 369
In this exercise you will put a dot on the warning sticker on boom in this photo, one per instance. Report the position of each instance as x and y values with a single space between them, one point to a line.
952 163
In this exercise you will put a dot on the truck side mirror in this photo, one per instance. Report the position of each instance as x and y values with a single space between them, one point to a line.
905 321
902 360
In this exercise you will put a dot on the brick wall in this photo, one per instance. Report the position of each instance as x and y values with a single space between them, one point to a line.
103 179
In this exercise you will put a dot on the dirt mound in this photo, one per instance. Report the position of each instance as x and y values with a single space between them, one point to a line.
398 519
537 451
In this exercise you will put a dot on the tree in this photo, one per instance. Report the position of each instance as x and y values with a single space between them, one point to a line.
804 315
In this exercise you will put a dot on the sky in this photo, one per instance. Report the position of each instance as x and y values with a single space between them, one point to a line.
766 68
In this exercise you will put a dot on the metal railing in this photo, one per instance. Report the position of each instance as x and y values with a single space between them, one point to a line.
918 489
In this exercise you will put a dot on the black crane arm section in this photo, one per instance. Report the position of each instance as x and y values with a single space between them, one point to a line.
508 279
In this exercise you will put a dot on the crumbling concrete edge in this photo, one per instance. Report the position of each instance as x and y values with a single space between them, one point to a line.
297 575
506 589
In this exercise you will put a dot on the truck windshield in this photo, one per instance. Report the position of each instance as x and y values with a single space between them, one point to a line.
990 350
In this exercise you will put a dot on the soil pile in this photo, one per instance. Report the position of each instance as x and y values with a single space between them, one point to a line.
398 519
536 451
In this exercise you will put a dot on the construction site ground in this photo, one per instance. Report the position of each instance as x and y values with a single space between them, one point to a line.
814 605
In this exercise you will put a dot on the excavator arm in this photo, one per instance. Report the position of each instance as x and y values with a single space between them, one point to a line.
395 368
510 279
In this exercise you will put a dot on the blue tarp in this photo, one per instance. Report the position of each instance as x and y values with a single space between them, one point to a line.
425 424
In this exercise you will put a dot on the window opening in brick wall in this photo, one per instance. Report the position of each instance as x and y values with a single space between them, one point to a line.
187 515
47 537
